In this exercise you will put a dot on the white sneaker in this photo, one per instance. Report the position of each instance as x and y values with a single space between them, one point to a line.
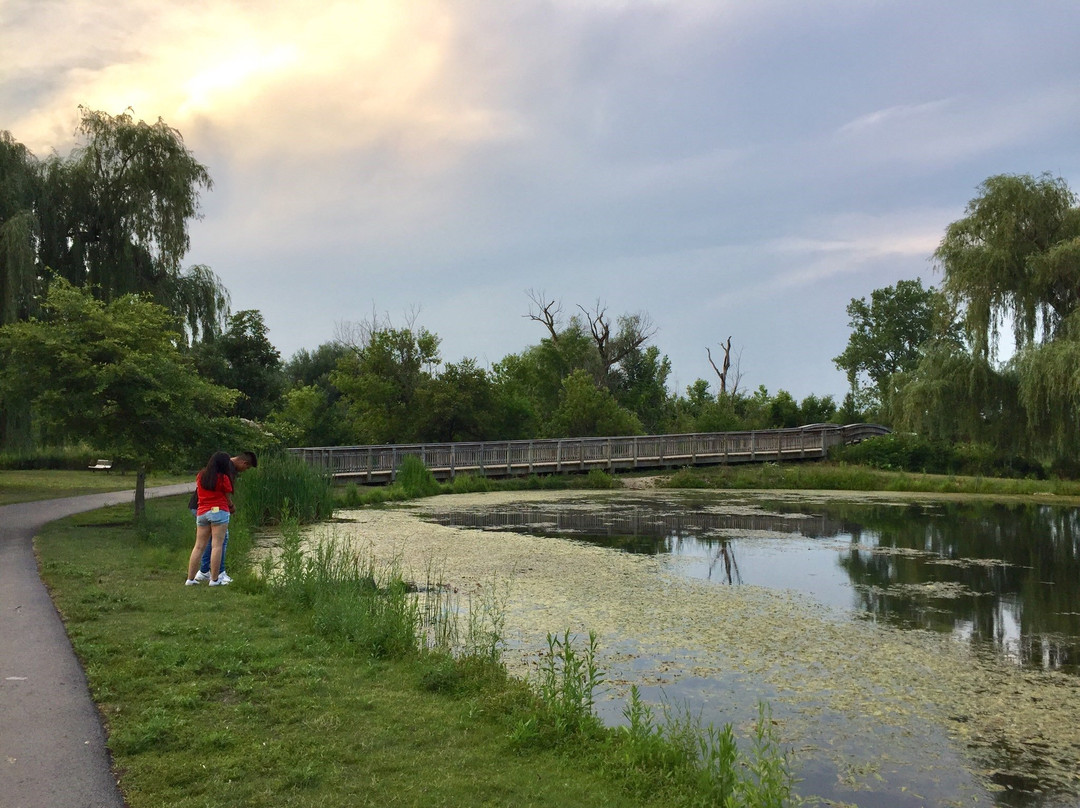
222 580
202 576
191 582
224 576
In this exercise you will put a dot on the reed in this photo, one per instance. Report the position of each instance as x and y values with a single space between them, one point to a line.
284 487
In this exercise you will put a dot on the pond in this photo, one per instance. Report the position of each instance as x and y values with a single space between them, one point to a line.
913 653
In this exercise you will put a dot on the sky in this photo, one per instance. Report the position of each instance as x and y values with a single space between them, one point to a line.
739 168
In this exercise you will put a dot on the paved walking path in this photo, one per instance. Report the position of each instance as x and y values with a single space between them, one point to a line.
52 745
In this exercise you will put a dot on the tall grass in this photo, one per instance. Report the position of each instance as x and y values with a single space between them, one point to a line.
376 613
284 487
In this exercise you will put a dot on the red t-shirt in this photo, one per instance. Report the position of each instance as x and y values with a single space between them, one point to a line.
209 500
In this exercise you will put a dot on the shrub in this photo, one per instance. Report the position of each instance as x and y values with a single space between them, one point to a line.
416 479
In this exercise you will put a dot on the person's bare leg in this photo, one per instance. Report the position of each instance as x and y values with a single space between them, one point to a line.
202 536
215 550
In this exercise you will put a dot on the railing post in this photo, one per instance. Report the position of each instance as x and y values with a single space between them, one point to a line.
453 458
483 468
753 448
609 454
530 457
509 471
558 456
635 452
581 454
393 463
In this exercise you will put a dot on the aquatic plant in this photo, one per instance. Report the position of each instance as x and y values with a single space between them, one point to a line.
283 487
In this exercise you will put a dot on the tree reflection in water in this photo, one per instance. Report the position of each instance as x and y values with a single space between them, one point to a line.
1001 577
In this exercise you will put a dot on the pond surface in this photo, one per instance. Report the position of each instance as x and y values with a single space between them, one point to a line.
1003 578
912 653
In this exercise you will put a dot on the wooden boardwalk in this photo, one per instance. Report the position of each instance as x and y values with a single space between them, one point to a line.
379 464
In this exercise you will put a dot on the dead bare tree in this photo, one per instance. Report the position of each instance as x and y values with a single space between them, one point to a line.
634 330
547 312
723 374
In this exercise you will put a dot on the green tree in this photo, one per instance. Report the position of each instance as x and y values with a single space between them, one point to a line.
816 410
113 375
305 417
455 405
244 358
114 216
19 190
640 386
379 382
887 333
1014 257
586 410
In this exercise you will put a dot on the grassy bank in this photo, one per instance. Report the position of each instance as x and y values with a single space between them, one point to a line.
314 687
844 477
31 486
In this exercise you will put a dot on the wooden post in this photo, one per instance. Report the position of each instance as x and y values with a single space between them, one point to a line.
393 464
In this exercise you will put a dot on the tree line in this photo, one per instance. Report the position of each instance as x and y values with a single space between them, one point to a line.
930 360
107 339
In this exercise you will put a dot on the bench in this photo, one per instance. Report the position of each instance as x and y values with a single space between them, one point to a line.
101 465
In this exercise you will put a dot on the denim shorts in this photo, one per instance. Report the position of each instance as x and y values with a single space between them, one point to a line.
215 516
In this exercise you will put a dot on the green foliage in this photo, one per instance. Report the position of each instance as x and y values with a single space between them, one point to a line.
114 217
905 451
705 758
416 479
887 334
111 375
601 480
243 358
686 478
281 488
585 410
349 600
1015 255
379 383
566 681
455 405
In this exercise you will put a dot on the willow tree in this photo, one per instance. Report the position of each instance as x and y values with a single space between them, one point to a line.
1014 258
19 189
111 216
114 216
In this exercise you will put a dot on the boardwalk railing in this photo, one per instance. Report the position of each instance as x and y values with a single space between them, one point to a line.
379 464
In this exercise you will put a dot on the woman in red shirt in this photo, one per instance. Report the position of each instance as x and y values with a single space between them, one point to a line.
213 486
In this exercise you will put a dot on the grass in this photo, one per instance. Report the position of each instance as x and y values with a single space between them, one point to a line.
844 477
420 482
322 685
34 485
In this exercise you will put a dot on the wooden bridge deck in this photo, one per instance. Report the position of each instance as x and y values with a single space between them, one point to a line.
379 464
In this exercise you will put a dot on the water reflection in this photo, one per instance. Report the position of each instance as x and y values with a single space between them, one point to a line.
1005 579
